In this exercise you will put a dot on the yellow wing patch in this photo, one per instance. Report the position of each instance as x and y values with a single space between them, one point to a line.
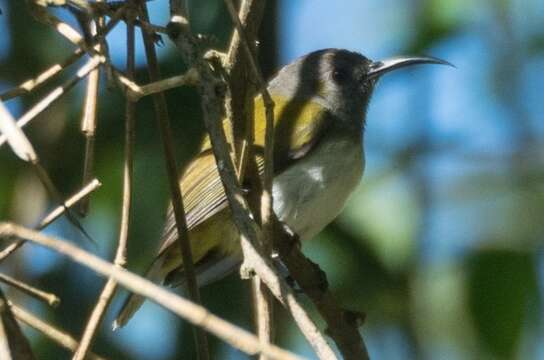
297 126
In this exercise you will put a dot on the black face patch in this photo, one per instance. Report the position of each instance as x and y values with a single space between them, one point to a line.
340 76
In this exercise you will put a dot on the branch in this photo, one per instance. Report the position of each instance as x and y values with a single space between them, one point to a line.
49 298
56 93
13 343
135 92
32 84
195 314
342 325
109 289
88 123
241 107
211 108
53 215
161 111
58 336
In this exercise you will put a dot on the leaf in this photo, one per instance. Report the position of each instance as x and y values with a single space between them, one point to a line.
501 283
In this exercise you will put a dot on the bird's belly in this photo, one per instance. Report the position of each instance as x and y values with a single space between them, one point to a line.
312 192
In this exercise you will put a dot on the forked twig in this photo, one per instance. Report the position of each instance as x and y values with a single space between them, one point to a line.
52 216
58 336
263 300
120 256
56 93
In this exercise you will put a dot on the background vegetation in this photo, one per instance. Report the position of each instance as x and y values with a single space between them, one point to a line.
441 245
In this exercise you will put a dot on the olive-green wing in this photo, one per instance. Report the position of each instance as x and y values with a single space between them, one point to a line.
295 135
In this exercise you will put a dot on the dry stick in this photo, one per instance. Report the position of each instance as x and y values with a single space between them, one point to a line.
109 289
5 352
14 344
342 325
88 124
53 215
57 93
33 84
24 150
266 199
135 92
196 314
250 14
163 120
42 15
211 108
49 298
55 194
58 336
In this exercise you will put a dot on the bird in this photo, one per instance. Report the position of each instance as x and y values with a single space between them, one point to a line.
321 100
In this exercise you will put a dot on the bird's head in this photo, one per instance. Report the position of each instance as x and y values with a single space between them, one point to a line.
339 80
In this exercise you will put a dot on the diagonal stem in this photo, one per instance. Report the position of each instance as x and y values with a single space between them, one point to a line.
161 110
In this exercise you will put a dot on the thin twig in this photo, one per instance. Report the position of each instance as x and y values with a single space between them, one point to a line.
5 352
49 298
41 14
88 122
33 84
195 314
14 345
58 336
161 110
56 196
211 108
135 92
24 150
287 298
263 300
56 93
52 216
109 289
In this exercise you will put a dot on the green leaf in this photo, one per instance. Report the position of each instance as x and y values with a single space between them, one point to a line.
502 284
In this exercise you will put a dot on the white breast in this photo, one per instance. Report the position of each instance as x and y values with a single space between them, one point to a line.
312 192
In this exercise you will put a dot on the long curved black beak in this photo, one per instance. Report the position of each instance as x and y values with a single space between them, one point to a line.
378 68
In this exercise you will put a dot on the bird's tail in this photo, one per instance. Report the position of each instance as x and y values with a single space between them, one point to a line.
156 274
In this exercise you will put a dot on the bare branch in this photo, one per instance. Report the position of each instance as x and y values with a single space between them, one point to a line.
211 108
240 103
33 84
88 123
109 289
13 343
56 93
15 136
49 298
135 92
52 216
196 314
58 336
161 110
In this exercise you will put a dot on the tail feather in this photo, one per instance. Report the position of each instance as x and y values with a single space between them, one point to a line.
155 273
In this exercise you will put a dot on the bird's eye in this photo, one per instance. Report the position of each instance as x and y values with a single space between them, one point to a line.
340 75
